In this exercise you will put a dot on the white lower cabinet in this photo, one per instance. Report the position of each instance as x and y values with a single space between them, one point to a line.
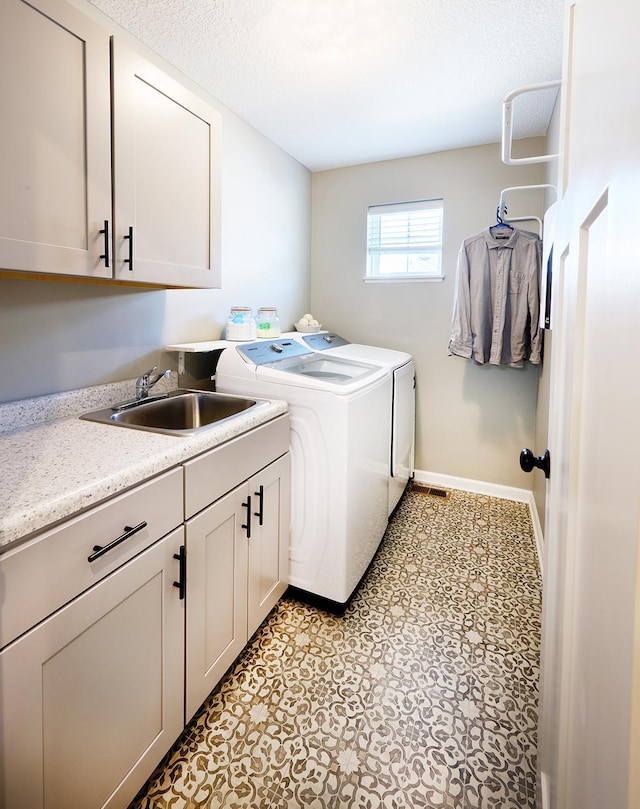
237 562
217 596
92 697
99 613
269 541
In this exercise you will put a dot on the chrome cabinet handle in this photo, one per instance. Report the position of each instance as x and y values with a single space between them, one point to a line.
105 255
99 550
129 260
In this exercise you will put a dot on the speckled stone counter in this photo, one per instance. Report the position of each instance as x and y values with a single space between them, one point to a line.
53 465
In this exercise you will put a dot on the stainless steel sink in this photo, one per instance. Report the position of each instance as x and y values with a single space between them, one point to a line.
181 412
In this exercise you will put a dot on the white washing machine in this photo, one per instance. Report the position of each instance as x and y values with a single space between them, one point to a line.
340 431
400 366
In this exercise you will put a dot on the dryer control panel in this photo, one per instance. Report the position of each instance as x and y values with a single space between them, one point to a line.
319 342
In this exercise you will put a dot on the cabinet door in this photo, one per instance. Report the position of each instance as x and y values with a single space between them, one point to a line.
55 154
92 697
166 177
216 594
269 541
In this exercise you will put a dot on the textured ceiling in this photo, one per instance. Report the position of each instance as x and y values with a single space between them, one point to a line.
341 82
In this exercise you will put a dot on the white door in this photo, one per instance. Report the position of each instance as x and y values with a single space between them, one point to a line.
589 747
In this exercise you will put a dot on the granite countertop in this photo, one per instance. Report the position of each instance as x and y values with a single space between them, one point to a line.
54 465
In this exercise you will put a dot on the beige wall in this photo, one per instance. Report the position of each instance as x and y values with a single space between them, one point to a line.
57 336
472 421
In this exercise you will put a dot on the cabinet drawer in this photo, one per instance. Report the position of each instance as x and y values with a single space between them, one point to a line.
215 473
43 574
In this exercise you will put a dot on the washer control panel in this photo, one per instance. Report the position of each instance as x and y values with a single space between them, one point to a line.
264 351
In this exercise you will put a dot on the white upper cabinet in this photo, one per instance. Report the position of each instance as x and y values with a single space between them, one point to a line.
58 168
55 163
166 178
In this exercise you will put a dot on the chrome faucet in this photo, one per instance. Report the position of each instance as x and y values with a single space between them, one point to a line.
147 380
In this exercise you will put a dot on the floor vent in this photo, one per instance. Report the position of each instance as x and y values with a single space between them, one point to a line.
433 491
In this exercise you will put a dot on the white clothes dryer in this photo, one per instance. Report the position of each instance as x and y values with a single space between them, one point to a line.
400 366
340 431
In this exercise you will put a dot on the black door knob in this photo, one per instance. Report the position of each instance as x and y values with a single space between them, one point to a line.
528 462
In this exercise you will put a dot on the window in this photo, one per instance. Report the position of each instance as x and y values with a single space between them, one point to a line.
404 241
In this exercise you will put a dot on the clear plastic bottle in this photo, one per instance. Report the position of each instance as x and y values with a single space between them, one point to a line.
267 323
241 325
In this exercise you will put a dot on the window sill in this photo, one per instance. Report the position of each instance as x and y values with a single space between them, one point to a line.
401 279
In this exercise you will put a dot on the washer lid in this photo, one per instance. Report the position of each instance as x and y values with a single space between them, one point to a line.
317 372
331 369
288 362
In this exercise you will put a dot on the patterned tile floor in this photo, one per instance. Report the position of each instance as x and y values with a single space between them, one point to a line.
423 694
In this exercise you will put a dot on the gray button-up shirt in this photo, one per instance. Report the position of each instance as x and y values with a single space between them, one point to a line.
496 308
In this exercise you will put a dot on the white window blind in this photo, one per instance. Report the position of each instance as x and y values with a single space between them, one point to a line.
404 241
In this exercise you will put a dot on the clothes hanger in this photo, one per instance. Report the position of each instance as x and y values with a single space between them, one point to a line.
501 224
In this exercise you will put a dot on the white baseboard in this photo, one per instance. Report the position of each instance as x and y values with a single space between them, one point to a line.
475 486
538 533
491 490
544 791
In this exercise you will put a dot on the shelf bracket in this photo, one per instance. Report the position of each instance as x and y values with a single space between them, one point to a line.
507 127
